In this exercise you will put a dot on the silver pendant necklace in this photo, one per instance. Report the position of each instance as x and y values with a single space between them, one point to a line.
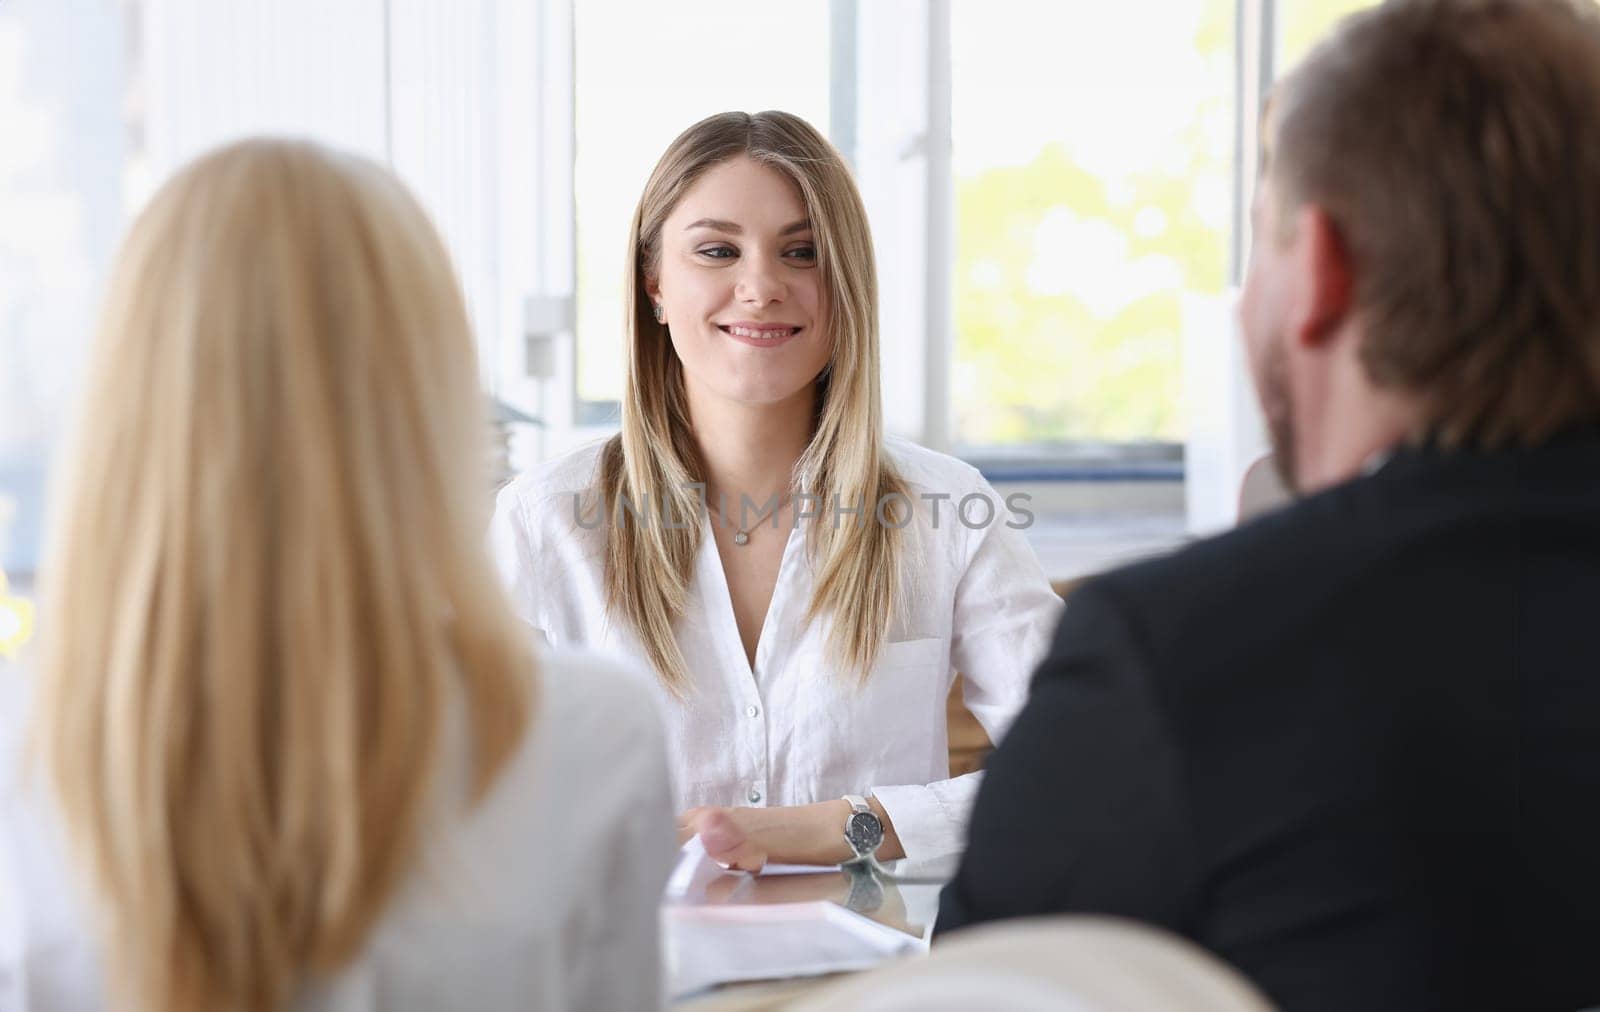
741 535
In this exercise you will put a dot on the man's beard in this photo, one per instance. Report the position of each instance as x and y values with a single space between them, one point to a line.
1277 405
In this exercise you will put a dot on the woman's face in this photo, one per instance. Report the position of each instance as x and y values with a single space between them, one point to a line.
741 289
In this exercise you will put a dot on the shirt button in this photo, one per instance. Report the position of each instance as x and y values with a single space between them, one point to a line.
752 711
755 796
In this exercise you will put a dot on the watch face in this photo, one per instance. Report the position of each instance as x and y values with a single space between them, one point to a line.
863 832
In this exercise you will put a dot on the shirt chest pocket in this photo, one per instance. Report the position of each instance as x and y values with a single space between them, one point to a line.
884 730
908 685
900 700
929 655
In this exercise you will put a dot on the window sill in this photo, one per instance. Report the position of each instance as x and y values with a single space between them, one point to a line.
1110 471
1078 462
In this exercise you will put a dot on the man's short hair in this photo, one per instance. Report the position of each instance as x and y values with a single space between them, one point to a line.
1456 146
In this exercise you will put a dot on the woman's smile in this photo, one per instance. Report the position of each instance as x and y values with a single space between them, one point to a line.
761 335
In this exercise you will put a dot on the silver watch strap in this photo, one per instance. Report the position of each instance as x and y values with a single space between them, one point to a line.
858 803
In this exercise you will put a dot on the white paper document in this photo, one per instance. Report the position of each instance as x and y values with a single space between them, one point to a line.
707 945
717 931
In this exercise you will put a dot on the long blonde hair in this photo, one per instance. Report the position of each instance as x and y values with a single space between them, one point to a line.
268 578
655 457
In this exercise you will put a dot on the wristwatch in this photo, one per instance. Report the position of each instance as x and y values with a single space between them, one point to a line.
863 831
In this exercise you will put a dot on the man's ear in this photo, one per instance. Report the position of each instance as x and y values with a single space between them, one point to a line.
1327 277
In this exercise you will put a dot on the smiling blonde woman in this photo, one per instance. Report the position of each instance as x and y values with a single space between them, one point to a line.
803 586
294 740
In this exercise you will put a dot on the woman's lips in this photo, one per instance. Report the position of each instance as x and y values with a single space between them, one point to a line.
762 335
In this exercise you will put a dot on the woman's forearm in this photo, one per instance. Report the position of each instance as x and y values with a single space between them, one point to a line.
793 834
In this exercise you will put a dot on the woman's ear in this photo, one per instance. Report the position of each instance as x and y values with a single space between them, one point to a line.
652 288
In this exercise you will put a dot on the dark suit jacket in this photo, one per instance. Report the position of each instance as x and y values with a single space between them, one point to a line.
1353 748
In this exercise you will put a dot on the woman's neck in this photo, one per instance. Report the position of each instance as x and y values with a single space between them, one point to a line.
751 449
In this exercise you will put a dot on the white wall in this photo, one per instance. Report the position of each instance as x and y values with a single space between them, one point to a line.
62 137
415 84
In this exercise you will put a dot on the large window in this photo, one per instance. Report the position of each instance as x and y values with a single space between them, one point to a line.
643 73
1092 169
1055 191
1092 161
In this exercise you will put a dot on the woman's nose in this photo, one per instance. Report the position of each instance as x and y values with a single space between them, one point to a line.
760 284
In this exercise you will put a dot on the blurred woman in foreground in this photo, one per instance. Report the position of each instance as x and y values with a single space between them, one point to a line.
292 735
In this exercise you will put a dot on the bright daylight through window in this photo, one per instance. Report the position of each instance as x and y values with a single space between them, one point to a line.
1091 165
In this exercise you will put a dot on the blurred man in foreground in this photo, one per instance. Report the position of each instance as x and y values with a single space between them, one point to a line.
1354 747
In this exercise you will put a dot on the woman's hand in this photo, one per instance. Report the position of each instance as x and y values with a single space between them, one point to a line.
749 838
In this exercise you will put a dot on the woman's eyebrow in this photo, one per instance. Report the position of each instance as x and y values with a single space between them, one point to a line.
732 228
714 223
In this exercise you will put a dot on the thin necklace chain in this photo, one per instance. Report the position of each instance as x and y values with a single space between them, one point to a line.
741 535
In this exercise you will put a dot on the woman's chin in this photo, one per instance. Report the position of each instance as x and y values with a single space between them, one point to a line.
761 392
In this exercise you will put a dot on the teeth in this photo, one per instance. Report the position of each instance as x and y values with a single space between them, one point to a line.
760 335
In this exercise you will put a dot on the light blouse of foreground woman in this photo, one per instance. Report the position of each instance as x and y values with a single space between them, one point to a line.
802 652
298 748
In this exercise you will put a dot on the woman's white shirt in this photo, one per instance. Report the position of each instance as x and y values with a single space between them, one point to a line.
543 895
791 730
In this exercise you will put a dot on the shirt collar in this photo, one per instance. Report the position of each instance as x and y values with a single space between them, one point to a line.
1376 460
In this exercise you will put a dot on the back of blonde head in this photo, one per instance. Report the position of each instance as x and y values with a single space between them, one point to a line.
267 576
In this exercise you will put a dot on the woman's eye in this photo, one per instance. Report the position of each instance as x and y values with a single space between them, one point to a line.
806 253
717 252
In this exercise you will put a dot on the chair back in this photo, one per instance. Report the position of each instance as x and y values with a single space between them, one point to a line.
1059 964
1261 490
